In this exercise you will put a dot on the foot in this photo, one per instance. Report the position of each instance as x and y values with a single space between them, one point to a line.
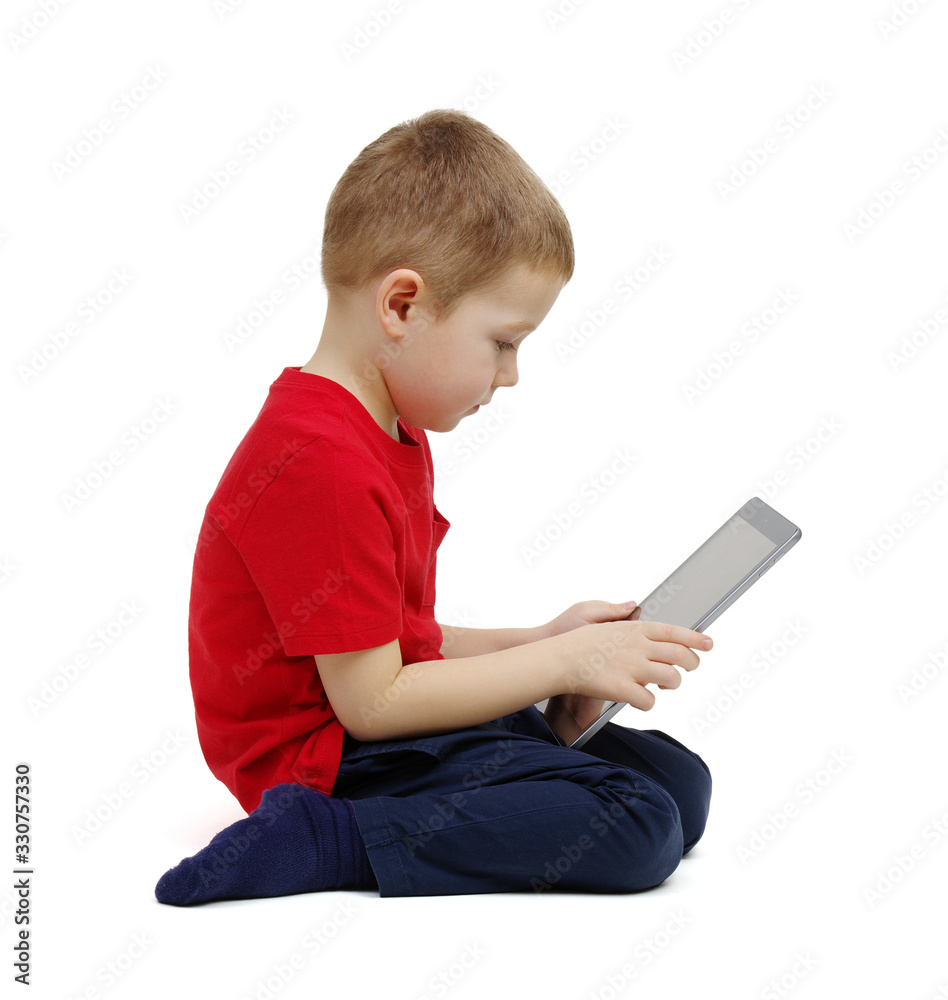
296 840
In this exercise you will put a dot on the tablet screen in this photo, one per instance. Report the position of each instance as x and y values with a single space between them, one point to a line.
708 575
713 577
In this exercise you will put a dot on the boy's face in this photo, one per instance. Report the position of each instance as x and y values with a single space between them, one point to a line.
446 369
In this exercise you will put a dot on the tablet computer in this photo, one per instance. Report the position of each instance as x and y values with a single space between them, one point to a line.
713 577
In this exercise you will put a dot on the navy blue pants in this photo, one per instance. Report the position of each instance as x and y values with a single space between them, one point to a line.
504 807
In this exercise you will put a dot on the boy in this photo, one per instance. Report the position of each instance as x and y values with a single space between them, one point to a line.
370 745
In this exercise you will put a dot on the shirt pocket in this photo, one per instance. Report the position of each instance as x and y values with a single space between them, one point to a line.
439 528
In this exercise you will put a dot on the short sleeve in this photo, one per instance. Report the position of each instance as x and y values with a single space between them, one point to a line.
319 545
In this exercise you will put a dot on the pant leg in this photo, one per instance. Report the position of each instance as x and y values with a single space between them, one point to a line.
504 807
680 771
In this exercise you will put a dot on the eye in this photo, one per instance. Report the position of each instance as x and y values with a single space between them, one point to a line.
505 345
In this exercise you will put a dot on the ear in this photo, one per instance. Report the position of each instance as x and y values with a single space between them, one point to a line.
398 301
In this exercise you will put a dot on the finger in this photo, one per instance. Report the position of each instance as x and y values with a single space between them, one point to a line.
664 632
664 675
640 697
673 653
603 611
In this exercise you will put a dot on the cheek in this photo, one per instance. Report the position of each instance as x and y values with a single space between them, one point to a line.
445 373
459 368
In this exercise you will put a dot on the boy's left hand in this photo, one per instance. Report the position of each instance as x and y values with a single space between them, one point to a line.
587 613
568 715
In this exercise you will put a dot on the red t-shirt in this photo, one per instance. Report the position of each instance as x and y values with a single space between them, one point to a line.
320 538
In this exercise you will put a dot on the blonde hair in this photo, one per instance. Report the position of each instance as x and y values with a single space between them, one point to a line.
443 195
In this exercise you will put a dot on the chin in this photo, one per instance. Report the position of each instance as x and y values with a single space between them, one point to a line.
438 422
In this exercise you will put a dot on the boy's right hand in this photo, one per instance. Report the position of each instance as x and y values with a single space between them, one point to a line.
615 660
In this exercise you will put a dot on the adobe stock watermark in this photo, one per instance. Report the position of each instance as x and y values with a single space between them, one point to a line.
723 360
921 676
469 445
804 962
31 25
120 110
111 802
805 793
583 157
391 350
733 692
447 977
459 620
913 168
591 491
799 456
129 442
264 307
304 608
482 91
312 943
370 30
96 642
206 192
223 8
256 480
88 310
895 531
572 854
913 343
783 129
409 673
906 861
625 287
603 652
643 955
450 802
560 13
7 569
115 969
900 13
710 30
9 907
231 848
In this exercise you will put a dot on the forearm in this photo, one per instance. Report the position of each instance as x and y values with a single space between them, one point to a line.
463 642
436 696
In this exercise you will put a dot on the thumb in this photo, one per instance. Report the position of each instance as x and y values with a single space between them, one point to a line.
605 612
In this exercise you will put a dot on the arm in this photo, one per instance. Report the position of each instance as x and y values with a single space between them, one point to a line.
472 641
568 715
376 697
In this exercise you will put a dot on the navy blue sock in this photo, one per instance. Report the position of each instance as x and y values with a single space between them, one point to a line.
296 840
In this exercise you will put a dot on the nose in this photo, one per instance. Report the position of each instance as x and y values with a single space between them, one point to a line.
508 374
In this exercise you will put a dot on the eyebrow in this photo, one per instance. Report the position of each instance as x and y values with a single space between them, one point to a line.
523 326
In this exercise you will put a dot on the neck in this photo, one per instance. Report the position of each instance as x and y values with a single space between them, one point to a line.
358 374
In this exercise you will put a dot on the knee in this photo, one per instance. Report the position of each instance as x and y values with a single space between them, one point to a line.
691 788
647 838
696 804
686 757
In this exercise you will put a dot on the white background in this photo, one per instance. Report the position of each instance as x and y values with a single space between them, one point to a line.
656 112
